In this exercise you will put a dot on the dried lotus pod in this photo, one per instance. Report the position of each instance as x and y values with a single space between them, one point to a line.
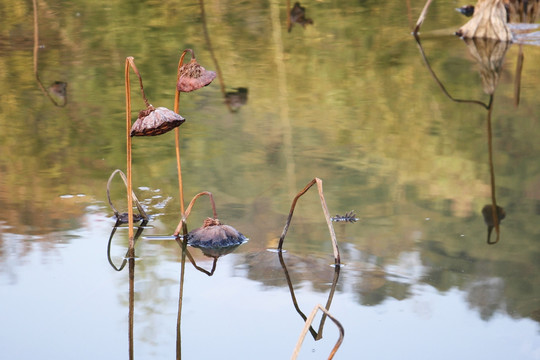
193 76
214 234
155 121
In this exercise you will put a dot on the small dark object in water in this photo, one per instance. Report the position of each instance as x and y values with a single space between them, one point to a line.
123 218
467 10
487 213
213 234
236 99
193 76
156 121
59 88
348 217
298 16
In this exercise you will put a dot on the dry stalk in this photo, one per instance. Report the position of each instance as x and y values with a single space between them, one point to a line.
185 215
326 215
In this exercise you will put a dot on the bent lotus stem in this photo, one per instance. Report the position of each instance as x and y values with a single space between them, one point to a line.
182 222
177 131
309 321
135 199
422 17
326 215
130 63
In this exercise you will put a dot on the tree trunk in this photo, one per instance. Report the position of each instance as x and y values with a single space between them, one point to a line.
488 22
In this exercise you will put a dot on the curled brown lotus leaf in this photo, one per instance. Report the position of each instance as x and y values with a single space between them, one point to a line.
193 76
156 121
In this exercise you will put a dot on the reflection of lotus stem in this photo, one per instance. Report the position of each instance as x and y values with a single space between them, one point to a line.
492 176
211 49
129 254
36 47
326 215
309 321
131 311
188 210
177 131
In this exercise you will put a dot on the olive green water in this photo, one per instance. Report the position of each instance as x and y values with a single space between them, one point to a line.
349 100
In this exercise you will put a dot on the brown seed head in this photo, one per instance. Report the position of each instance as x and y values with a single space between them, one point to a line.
156 121
193 76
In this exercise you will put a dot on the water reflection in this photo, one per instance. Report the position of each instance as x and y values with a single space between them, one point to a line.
57 91
233 99
297 15
381 139
317 335
489 55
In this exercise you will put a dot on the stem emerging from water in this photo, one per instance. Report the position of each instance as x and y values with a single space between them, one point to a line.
326 215
177 131
129 61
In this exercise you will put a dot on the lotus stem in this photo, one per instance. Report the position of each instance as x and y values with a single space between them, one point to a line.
182 222
135 199
326 215
177 131
129 61
422 17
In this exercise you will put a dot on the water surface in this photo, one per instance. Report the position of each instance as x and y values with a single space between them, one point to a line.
349 99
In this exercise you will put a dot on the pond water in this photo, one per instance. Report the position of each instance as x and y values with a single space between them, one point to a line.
351 99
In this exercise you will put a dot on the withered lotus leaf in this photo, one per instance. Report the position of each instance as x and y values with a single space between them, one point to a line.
155 121
214 234
193 76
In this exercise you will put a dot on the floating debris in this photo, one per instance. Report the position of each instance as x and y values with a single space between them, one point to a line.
298 16
214 234
123 218
348 217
